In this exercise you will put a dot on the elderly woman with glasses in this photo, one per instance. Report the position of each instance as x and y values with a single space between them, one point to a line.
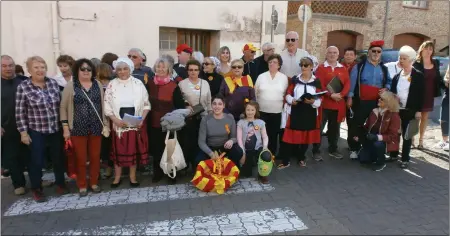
127 95
196 94
302 117
380 132
210 74
37 118
270 88
237 90
408 85
83 118
165 96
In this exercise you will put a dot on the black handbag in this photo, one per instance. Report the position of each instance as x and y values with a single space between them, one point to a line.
198 109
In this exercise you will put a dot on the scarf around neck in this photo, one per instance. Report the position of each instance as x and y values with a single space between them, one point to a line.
159 80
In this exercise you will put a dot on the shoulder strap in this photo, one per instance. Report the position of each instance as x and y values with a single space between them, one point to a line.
92 104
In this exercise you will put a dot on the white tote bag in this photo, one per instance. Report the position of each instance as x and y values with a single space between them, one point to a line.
172 158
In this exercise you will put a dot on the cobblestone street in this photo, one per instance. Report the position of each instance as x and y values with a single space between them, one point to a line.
332 197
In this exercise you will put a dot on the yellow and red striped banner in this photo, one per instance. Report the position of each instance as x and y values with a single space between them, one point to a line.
215 175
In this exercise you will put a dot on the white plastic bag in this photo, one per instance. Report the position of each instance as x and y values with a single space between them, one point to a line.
172 158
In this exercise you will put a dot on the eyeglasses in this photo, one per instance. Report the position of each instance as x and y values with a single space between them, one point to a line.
192 70
237 67
207 64
304 65
85 69
376 51
292 40
132 56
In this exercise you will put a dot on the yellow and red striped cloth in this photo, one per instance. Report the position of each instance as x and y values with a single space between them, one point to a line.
215 175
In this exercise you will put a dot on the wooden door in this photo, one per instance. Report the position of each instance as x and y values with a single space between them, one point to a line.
198 40
341 40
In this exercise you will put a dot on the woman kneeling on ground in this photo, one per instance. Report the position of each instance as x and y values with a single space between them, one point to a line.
381 132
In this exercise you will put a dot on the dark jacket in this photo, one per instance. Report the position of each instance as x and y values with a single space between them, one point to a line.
389 129
9 88
181 71
261 66
250 68
437 79
214 80
416 94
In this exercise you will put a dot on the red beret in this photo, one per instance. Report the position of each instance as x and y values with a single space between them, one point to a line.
376 43
184 48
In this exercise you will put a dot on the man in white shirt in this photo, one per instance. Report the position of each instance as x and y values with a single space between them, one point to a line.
291 55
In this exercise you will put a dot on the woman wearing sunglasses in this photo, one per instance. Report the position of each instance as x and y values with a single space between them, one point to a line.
380 132
302 117
82 116
237 90
197 95
210 74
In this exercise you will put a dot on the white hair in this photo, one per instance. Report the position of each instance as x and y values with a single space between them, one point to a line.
293 32
333 47
198 56
166 63
138 51
265 46
407 51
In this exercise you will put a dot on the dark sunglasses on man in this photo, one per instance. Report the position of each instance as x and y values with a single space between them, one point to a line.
291 40
375 51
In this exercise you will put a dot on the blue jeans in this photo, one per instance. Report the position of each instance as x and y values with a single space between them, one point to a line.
373 152
39 141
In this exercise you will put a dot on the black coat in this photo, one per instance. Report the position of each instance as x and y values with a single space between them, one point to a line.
437 79
181 71
415 94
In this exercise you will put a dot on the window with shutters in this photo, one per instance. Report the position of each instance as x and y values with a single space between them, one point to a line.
198 40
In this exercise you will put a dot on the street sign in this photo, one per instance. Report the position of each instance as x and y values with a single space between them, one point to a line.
274 19
301 10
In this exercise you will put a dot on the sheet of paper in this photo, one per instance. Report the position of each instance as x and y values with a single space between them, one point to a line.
132 121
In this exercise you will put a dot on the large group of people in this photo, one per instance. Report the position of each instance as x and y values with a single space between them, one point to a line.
241 107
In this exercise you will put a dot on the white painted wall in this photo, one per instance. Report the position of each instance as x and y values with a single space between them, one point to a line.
118 26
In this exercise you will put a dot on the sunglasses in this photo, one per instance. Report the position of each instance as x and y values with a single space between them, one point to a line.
192 70
85 69
305 65
237 67
375 51
132 56
291 40
207 64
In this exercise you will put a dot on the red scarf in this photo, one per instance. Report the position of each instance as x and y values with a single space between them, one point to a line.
161 80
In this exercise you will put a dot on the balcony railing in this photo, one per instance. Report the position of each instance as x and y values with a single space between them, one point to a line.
341 8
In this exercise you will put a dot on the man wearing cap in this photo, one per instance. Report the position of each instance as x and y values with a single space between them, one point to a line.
250 66
184 54
369 78
141 72
291 55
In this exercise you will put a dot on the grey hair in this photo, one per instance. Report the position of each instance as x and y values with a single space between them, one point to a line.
169 58
166 64
267 45
8 57
333 47
198 56
407 51
95 61
139 51
292 32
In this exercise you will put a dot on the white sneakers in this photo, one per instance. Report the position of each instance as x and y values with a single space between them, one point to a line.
442 145
353 155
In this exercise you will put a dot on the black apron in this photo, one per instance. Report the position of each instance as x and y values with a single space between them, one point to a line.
303 116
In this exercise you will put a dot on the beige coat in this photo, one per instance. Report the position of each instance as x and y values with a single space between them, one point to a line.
66 107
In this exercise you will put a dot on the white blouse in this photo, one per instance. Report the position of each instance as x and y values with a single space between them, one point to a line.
124 93
403 88
270 92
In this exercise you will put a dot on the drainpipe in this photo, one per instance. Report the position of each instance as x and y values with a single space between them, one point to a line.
55 30
262 25
385 20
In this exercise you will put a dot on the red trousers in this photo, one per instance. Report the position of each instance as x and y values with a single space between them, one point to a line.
85 146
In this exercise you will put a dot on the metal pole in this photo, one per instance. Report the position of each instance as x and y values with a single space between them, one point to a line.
304 27
272 25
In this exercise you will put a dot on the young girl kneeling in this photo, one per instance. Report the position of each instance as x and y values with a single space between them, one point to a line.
252 138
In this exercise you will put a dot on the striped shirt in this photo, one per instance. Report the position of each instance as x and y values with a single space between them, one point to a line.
36 108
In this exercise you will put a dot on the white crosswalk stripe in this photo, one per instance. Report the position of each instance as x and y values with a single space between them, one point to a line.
128 196
245 223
